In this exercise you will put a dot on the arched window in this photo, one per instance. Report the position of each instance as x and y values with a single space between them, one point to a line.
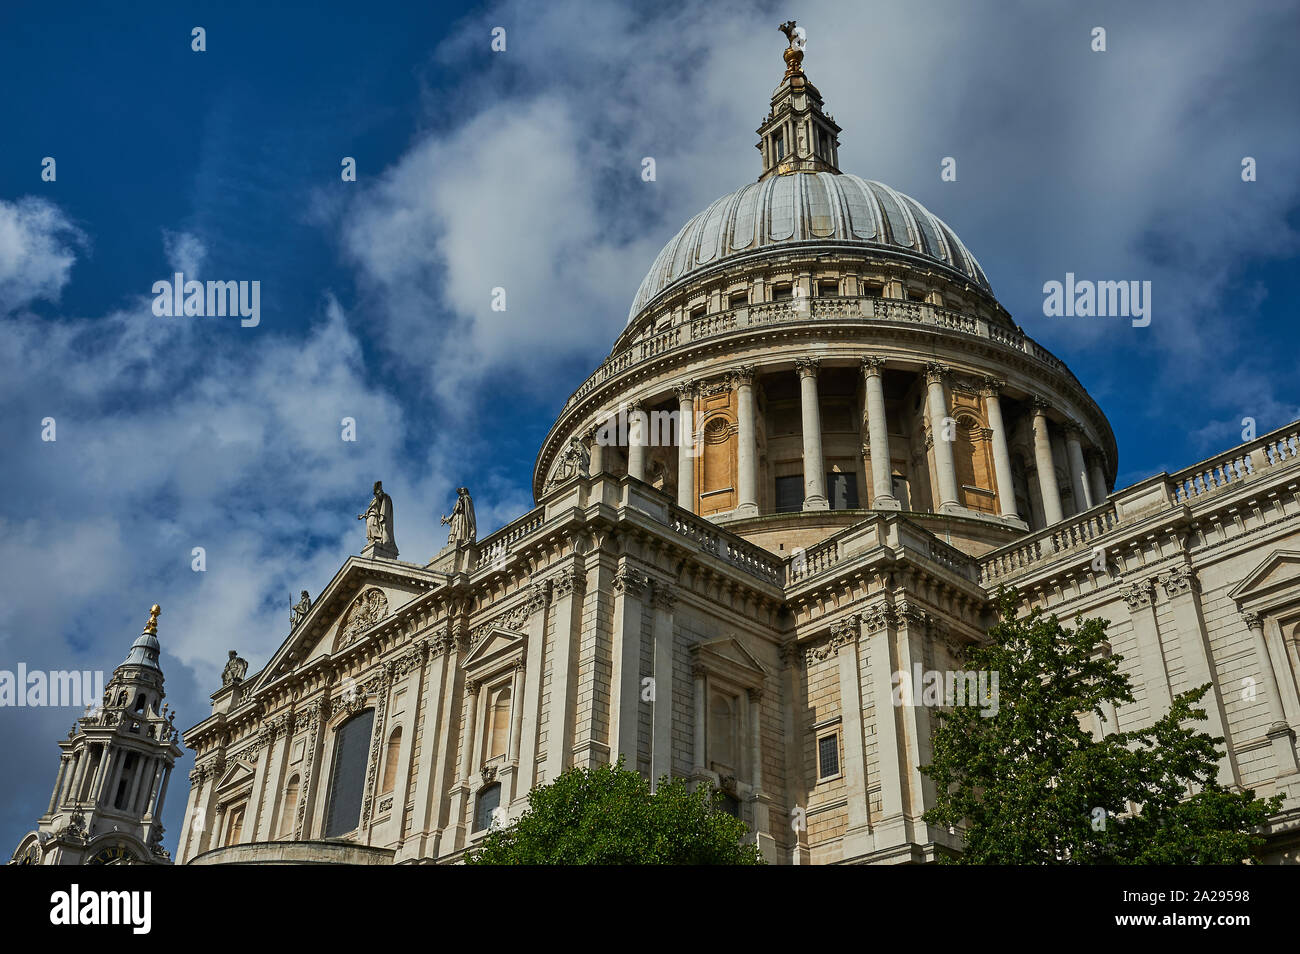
139 703
348 774
289 813
489 799
498 733
390 761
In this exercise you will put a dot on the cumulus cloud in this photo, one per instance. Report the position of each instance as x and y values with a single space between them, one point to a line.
37 248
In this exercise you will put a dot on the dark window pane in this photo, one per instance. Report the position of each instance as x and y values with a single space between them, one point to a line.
842 489
828 756
488 801
730 805
348 776
789 494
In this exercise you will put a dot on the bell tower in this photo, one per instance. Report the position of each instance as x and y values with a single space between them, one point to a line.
797 135
114 768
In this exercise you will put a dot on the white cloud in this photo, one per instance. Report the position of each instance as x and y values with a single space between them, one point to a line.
37 248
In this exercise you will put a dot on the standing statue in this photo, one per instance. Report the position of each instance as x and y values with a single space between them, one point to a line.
235 669
463 528
379 520
299 612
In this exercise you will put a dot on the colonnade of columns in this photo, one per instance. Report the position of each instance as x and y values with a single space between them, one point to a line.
1085 466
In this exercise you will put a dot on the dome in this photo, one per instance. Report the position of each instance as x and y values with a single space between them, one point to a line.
807 207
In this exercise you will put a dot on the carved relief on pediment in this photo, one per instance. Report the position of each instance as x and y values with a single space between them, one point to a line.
366 610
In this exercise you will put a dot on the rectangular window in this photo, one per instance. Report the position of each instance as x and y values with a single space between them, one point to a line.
842 491
780 146
873 290
827 288
789 494
828 756
697 312
783 292
348 774
914 295
738 299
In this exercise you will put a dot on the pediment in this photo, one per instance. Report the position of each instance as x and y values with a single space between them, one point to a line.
1278 574
729 656
495 646
235 776
361 596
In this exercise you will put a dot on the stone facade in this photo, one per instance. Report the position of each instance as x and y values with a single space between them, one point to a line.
815 453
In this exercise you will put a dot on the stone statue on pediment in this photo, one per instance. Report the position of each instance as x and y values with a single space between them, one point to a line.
299 611
380 539
463 528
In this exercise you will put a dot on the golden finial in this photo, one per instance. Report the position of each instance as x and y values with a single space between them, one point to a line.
151 627
794 52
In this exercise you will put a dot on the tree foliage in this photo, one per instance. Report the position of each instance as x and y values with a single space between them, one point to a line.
608 816
1027 782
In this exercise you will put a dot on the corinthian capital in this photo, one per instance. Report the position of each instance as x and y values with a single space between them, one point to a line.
936 373
873 365
807 367
742 377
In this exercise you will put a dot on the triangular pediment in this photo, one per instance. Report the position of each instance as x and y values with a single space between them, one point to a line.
362 595
493 646
1279 571
235 776
731 653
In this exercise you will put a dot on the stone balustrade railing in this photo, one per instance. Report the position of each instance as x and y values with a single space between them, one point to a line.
494 547
1186 487
865 309
712 539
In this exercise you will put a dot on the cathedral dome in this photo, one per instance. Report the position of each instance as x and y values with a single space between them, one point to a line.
807 208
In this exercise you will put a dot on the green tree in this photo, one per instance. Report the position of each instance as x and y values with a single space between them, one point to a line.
608 816
1030 785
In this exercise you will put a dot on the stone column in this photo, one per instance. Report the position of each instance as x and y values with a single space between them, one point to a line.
661 719
814 466
913 624
1096 475
688 446
880 623
844 642
742 379
1062 463
697 673
762 813
636 436
882 485
435 696
1280 735
630 586
1001 453
1183 592
1141 599
511 789
161 800
58 784
539 600
945 466
567 592
1083 499
1047 486
596 465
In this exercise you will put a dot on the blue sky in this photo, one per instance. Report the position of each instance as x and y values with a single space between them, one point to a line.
521 169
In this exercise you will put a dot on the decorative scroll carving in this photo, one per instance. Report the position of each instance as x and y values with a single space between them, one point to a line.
1179 580
1140 594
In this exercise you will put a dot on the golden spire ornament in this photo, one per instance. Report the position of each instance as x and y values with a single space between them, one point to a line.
151 627
794 52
